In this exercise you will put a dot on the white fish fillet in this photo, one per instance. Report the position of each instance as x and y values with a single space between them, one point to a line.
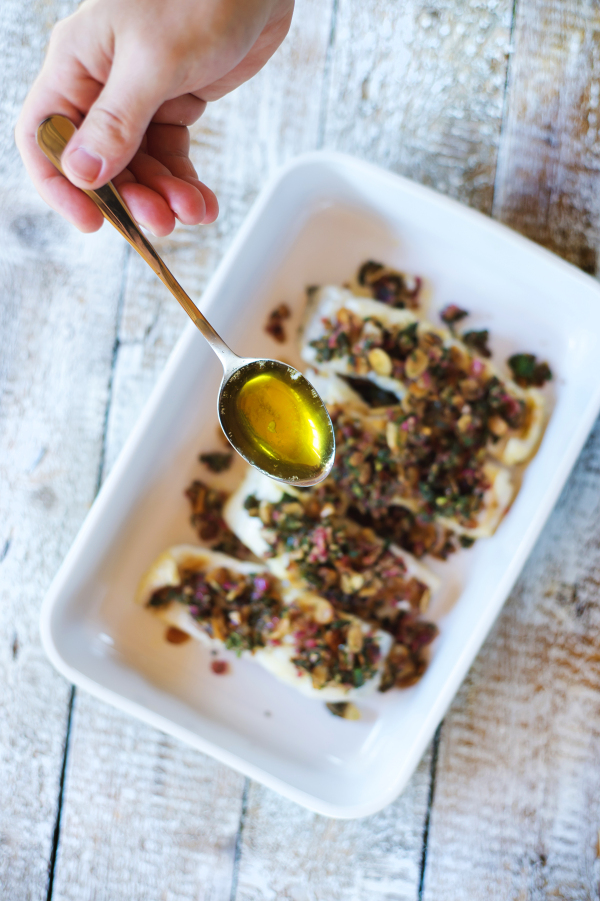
249 529
277 659
515 448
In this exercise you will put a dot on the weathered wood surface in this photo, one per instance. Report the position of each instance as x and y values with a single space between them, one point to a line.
57 330
290 853
418 87
547 181
144 817
517 793
429 90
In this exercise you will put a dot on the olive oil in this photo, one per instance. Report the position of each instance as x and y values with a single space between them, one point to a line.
277 421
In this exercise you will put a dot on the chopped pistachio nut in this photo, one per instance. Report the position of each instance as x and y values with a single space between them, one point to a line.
379 361
346 710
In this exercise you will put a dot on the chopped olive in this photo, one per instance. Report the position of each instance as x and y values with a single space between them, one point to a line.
371 393
274 326
368 271
217 461
389 289
478 340
388 285
219 667
207 519
452 314
528 372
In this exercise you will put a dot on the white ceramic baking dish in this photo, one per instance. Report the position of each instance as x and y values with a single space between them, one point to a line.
314 223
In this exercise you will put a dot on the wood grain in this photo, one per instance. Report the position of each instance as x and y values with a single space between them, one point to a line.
290 854
57 324
548 181
144 816
418 87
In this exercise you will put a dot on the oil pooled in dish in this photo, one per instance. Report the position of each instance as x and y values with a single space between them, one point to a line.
279 422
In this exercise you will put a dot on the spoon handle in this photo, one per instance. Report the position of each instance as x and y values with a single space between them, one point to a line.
52 136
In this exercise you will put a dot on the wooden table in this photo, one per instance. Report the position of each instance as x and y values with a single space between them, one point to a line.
494 102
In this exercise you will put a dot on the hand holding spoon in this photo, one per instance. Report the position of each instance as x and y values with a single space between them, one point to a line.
270 412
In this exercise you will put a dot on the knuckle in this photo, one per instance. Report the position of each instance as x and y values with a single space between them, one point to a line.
60 32
113 126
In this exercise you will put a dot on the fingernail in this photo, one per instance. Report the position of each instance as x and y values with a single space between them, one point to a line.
84 164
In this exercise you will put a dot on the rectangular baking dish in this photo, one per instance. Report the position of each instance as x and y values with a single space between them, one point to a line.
314 223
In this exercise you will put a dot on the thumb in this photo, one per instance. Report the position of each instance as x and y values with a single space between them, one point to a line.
114 127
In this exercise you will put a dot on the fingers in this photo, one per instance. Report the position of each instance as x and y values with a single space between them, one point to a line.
161 185
184 110
147 207
170 145
182 199
70 202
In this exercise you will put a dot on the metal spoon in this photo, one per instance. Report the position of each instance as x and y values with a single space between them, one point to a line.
239 373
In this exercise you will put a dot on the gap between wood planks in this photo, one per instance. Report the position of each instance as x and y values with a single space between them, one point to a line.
99 480
505 101
327 76
238 841
430 799
61 786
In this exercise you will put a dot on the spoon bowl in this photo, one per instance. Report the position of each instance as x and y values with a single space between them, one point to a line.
270 413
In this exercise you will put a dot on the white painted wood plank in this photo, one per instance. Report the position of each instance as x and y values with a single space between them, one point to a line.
126 833
517 802
57 328
418 87
290 854
226 137
547 185
145 817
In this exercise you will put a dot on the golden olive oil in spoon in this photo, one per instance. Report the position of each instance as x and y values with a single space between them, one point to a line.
270 412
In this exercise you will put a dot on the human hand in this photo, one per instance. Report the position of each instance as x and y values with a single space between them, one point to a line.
132 75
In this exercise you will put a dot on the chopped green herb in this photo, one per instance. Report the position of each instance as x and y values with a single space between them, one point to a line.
359 677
